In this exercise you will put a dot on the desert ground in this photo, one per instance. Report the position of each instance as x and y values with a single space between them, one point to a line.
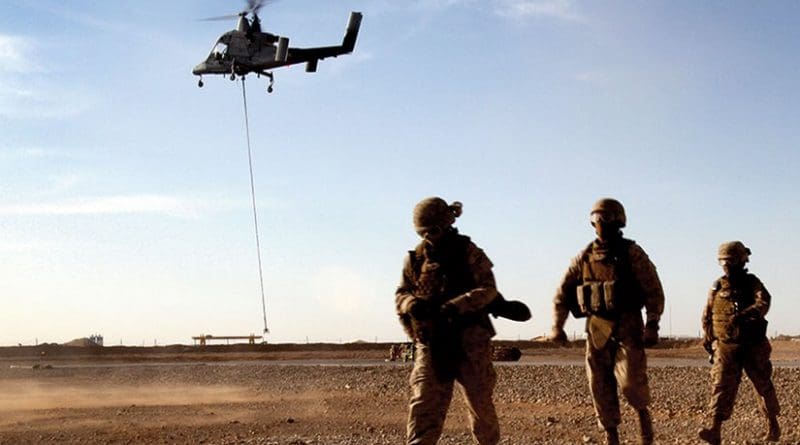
340 394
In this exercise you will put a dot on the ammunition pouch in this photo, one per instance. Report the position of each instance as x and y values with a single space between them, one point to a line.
598 298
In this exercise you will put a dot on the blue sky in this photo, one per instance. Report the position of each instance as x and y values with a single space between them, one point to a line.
125 206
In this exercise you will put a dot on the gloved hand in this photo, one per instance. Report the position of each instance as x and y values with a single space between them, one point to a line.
449 310
650 334
558 336
740 317
419 309
708 345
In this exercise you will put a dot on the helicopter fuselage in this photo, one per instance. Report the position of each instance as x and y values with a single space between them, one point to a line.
248 50
236 52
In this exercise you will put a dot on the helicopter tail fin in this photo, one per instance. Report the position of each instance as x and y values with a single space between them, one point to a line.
350 36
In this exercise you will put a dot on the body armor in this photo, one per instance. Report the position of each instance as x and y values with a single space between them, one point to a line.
440 275
729 299
608 287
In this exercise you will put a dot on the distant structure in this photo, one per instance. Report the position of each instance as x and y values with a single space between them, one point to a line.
96 339
202 339
93 340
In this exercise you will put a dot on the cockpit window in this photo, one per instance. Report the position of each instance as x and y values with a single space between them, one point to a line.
219 50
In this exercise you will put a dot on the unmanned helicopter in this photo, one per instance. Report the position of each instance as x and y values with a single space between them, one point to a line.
248 49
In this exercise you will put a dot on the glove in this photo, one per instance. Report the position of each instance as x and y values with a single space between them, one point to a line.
741 317
449 310
708 345
558 336
512 310
419 310
650 334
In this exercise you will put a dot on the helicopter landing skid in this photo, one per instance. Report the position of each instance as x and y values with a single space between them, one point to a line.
271 78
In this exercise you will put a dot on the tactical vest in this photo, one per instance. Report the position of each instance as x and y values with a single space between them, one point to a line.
445 274
608 287
730 298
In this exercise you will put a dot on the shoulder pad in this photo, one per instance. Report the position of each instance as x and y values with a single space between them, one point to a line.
462 240
753 280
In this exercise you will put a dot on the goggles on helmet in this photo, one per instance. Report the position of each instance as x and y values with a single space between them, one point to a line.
730 261
601 217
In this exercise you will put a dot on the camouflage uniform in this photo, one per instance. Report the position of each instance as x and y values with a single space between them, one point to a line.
455 347
733 320
615 348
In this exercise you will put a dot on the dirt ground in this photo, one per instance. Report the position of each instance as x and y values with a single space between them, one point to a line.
273 395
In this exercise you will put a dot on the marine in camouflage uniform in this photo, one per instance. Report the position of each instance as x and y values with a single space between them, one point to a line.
443 301
736 334
609 283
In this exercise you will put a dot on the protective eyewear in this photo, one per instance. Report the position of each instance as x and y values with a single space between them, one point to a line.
601 217
729 261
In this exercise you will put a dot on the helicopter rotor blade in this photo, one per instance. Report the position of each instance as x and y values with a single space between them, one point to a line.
254 6
221 17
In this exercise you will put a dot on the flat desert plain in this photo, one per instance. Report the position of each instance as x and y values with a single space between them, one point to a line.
342 394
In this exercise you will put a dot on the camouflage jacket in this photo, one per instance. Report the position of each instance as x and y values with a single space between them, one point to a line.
469 282
735 310
626 260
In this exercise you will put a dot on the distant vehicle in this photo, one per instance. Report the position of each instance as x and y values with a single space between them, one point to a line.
248 49
506 353
401 351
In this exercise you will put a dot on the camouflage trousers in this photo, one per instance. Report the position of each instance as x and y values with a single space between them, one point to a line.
620 364
726 374
431 394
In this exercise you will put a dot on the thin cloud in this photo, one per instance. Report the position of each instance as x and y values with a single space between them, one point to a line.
135 204
554 9
25 90
38 100
90 21
14 55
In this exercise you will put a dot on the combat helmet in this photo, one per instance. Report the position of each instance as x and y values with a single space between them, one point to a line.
735 250
611 209
435 212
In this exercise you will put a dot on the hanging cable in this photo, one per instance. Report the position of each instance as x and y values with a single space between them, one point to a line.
255 213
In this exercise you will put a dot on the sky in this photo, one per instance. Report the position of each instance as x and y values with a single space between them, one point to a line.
125 205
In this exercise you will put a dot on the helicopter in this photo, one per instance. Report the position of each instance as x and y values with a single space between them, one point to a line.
248 49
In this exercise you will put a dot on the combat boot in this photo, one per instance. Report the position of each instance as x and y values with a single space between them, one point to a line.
773 430
646 427
612 436
712 435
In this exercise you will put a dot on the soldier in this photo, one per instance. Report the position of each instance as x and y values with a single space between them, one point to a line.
736 336
443 301
394 352
610 282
